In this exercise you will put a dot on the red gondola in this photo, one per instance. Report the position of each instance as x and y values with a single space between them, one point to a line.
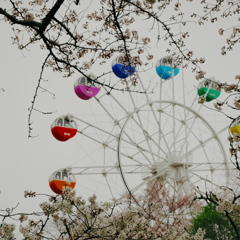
60 179
64 128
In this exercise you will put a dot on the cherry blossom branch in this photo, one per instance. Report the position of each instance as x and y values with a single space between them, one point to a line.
31 108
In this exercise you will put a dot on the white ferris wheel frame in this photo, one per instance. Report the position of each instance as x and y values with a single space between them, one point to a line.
187 186
117 167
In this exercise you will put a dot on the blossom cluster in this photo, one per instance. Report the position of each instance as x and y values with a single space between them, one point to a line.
224 206
7 231
77 40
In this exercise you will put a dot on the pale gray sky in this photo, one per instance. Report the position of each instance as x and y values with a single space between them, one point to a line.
28 163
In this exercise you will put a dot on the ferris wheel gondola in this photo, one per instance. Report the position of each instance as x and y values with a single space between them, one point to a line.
85 88
63 128
121 67
235 126
60 179
209 89
165 68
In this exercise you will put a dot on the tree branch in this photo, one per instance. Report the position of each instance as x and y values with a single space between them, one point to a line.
14 20
50 15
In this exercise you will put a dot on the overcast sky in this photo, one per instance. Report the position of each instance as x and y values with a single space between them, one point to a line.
28 163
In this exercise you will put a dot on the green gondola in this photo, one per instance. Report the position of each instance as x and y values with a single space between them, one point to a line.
209 89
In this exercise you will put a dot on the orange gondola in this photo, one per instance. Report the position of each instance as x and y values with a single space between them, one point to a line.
60 179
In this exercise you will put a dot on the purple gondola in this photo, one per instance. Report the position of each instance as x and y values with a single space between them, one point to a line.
85 88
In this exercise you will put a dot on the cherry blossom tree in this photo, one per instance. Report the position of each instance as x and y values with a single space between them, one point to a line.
157 215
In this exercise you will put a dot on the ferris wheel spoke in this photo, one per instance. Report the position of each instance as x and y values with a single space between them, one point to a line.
108 113
138 149
139 146
207 157
173 114
148 180
158 121
103 106
160 130
180 118
182 130
204 168
131 142
132 101
96 169
202 143
144 92
109 187
217 168
145 156
205 163
116 101
92 126
179 131
111 169
143 87
101 143
174 130
141 126
205 179
138 123
156 144
148 138
187 130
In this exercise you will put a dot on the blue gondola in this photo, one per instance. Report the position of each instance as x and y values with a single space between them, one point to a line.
121 68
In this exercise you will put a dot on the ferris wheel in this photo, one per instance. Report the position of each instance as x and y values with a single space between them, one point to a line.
134 139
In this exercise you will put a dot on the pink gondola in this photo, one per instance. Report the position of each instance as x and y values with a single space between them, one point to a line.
85 88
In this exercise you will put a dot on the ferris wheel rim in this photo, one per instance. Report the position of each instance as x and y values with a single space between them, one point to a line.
149 102
125 114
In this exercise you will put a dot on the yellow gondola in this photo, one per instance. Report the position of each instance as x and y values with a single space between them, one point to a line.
235 126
